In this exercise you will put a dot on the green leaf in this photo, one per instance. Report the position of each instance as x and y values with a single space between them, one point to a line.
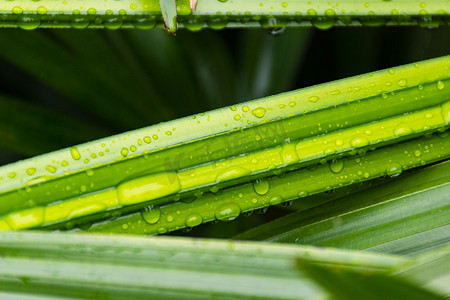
377 219
431 270
349 284
169 14
220 14
118 267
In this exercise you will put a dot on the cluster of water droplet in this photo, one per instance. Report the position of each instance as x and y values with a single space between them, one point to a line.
269 16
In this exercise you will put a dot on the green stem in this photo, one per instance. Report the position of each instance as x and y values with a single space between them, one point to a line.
215 14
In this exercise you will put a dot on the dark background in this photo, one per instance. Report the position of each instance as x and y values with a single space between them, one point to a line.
64 87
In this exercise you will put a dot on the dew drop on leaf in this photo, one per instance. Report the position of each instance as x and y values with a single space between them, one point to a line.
313 99
336 165
228 212
30 171
259 112
359 142
75 153
394 169
275 200
193 220
150 214
303 194
402 130
261 186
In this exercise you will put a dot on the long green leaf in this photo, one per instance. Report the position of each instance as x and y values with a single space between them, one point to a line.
239 13
295 140
118 267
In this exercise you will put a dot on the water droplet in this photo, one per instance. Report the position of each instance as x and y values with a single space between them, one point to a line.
50 168
193 220
150 214
125 226
215 189
237 117
402 82
329 151
146 188
17 10
30 171
313 99
261 186
28 22
259 112
217 23
162 230
124 151
79 22
336 165
324 22
144 23
91 11
440 85
275 200
417 153
394 169
41 10
302 194
113 23
147 139
169 218
194 24
366 175
339 142
75 153
402 130
359 142
11 175
228 212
